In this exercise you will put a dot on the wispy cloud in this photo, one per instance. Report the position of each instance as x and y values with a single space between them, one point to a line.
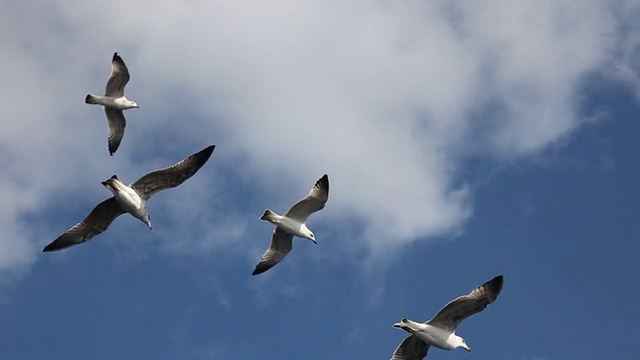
385 97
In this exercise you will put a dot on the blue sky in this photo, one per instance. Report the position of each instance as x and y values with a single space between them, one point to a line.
461 141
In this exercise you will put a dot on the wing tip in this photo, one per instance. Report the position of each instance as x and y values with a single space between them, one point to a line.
113 146
208 150
259 270
116 58
323 182
495 284
262 267
203 155
55 246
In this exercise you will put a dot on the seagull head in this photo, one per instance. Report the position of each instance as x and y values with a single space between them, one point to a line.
307 234
312 237
462 344
134 105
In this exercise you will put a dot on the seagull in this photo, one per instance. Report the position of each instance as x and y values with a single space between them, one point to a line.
114 102
440 331
132 199
293 222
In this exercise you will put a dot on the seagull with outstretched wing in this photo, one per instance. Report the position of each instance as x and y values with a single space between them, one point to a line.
441 330
132 199
114 102
292 223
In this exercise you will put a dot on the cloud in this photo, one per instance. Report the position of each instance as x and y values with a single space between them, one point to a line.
387 98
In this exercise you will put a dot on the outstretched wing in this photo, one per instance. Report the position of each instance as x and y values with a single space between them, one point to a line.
96 222
119 77
411 348
314 201
281 244
450 316
171 176
116 123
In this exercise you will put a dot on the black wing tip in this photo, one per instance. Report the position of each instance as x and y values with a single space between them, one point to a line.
259 270
55 246
262 267
113 149
203 155
209 149
324 181
495 284
116 58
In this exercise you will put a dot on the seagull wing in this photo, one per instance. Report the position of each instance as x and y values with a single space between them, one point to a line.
411 348
314 201
116 123
171 176
96 222
281 244
119 77
450 316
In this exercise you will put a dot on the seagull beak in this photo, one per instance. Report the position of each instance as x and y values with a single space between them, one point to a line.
466 347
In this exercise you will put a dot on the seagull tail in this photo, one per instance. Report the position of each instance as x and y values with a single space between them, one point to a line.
269 216
91 99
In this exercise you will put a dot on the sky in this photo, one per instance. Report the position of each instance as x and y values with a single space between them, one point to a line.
462 140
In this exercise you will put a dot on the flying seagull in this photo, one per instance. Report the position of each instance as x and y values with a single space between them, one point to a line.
132 199
293 222
114 102
440 331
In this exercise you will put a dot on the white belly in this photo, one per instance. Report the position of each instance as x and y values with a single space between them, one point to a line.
291 226
435 336
120 103
129 200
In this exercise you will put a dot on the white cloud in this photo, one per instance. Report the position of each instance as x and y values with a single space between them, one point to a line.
385 97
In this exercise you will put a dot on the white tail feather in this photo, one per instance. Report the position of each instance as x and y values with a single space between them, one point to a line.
269 216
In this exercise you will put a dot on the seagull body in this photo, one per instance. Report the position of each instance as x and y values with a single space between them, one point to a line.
289 225
121 103
440 331
114 102
292 223
130 199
